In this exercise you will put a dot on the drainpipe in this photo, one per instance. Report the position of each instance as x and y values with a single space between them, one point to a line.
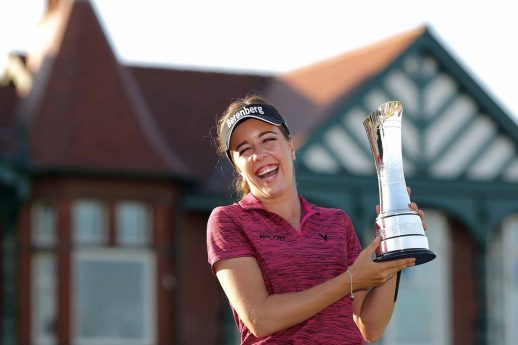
14 192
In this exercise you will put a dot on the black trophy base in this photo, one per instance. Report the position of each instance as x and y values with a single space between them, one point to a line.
421 255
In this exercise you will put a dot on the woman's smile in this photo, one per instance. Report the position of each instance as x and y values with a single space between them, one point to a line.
268 173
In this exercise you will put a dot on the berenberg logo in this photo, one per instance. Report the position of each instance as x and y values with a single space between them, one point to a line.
243 112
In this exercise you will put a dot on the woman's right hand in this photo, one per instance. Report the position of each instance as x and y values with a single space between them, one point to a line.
368 274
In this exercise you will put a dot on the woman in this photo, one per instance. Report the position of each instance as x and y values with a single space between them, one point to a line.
294 273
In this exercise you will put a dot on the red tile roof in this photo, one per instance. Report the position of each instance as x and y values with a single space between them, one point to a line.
186 105
323 82
87 112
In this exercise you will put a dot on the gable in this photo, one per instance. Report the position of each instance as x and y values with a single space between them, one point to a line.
85 111
451 129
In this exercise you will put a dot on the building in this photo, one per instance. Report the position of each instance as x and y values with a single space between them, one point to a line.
108 175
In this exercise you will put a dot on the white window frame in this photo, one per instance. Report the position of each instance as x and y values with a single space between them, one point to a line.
149 303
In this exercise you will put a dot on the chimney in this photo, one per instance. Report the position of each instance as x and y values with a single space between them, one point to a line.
49 32
53 4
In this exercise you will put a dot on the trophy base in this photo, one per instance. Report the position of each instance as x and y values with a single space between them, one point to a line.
421 255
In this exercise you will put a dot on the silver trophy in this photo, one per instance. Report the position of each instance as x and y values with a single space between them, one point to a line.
400 227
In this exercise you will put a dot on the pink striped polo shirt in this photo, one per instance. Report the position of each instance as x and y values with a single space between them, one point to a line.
290 261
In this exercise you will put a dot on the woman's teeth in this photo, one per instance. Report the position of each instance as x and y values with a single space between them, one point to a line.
267 172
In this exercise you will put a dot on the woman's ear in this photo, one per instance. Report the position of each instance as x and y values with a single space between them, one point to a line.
293 154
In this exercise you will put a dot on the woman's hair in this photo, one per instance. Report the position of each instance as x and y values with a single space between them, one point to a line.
240 185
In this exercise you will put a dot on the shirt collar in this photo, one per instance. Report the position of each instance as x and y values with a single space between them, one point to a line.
250 202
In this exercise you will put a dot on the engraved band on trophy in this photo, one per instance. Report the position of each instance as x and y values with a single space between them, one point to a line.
400 227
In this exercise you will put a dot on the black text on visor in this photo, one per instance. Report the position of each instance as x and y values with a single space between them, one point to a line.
262 112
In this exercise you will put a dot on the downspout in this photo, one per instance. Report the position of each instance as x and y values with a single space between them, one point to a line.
15 190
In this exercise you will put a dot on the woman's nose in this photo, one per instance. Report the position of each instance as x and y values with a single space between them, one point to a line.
259 153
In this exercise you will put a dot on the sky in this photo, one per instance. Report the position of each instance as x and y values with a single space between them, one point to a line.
276 36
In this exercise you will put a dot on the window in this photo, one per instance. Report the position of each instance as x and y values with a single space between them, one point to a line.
89 222
113 284
113 297
43 274
112 273
133 224
43 225
44 299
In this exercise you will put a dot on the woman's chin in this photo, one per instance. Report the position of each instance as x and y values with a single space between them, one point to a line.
270 192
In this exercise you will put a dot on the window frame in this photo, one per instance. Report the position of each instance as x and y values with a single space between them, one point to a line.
148 260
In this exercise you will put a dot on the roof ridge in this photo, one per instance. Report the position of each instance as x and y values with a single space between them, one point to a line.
52 27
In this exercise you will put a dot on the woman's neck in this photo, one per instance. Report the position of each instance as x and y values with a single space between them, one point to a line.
287 206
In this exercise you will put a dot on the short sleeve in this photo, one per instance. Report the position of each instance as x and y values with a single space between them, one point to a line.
225 238
354 246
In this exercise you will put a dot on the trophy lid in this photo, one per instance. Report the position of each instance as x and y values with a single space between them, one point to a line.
388 111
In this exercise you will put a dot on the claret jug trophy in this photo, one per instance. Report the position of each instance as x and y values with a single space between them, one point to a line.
400 227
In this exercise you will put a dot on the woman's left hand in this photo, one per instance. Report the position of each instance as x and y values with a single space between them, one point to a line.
412 206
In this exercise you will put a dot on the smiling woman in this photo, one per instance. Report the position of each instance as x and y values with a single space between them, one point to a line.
253 107
292 271
263 158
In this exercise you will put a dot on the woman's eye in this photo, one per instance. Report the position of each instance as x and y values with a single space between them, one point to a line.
243 151
269 139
